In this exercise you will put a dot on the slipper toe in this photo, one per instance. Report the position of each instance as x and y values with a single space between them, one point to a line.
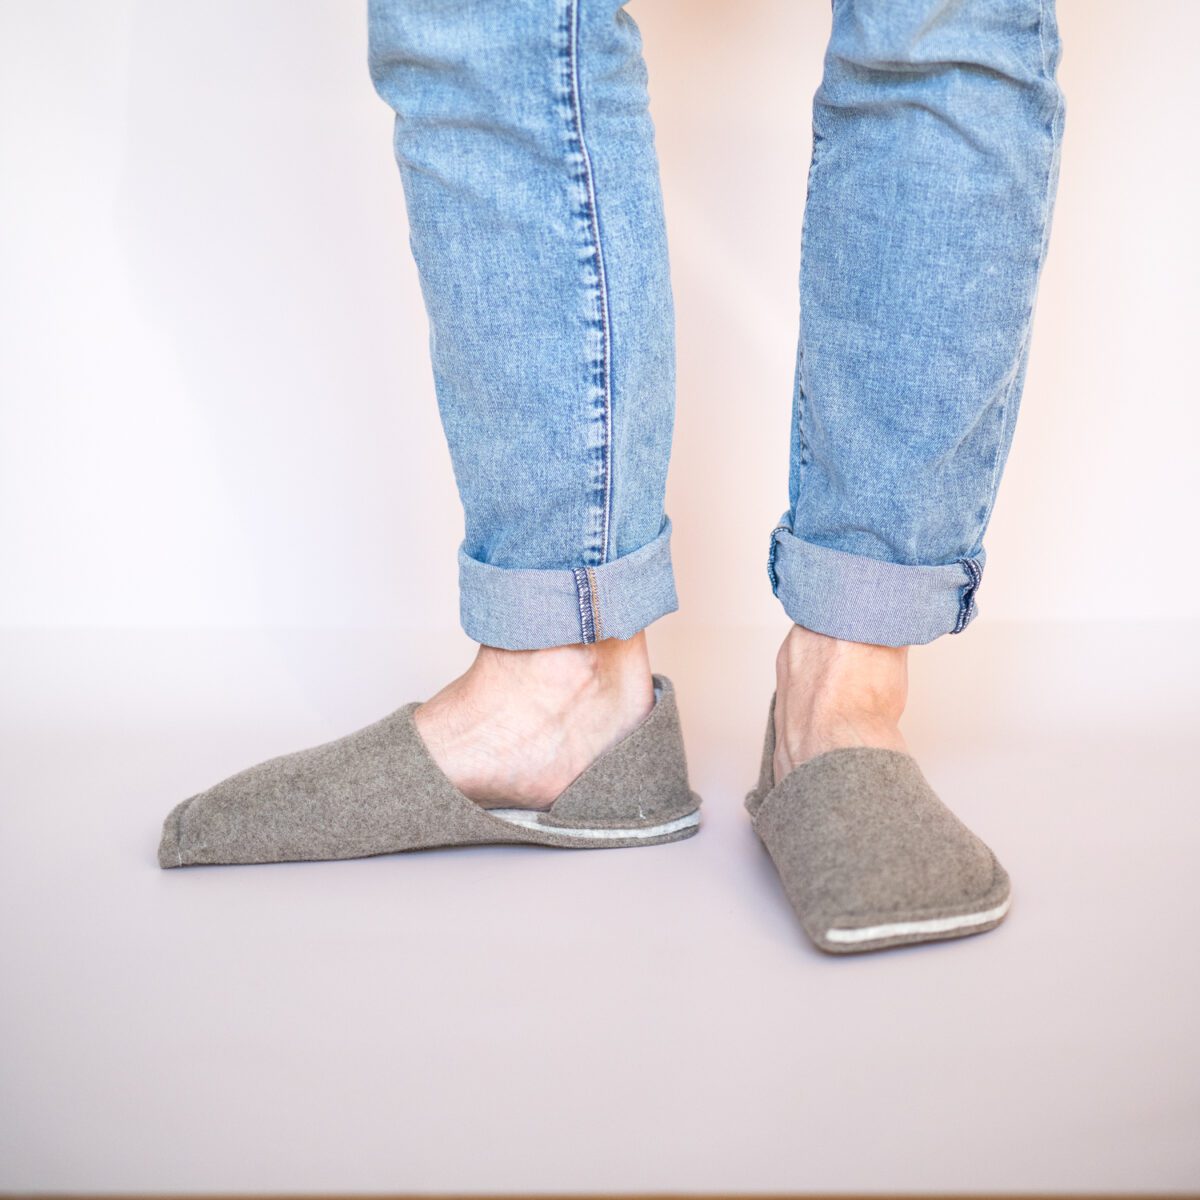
870 857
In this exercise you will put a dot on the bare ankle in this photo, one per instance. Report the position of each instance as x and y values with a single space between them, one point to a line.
612 670
832 693
519 725
844 675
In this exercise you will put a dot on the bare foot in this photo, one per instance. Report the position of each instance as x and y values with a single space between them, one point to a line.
519 725
831 694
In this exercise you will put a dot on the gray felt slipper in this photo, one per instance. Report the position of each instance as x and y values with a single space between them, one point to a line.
868 855
378 791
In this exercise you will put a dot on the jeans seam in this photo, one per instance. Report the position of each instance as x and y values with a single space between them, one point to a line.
597 620
799 389
1054 130
592 217
774 578
587 612
1042 36
966 604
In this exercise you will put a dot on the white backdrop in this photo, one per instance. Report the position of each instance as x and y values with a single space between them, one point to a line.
218 407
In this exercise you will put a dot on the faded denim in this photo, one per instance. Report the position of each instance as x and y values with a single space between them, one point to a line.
527 157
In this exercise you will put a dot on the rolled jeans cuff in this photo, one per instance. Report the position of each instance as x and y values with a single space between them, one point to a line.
522 609
862 599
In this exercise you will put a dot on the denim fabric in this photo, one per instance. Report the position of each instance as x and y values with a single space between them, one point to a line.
526 152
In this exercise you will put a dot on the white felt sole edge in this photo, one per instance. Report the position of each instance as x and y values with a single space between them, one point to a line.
871 933
532 820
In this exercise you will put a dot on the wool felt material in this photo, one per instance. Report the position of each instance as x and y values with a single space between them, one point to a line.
378 790
867 853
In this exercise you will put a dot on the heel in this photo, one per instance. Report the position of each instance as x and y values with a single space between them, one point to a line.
766 771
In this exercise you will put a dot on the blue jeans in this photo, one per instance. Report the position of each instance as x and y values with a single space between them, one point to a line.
527 156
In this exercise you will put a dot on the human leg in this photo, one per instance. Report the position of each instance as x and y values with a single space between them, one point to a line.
527 158
526 152
937 130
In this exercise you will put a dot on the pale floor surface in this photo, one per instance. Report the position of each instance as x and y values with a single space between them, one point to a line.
652 1019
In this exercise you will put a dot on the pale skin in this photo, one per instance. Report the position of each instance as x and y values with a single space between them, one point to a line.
519 725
